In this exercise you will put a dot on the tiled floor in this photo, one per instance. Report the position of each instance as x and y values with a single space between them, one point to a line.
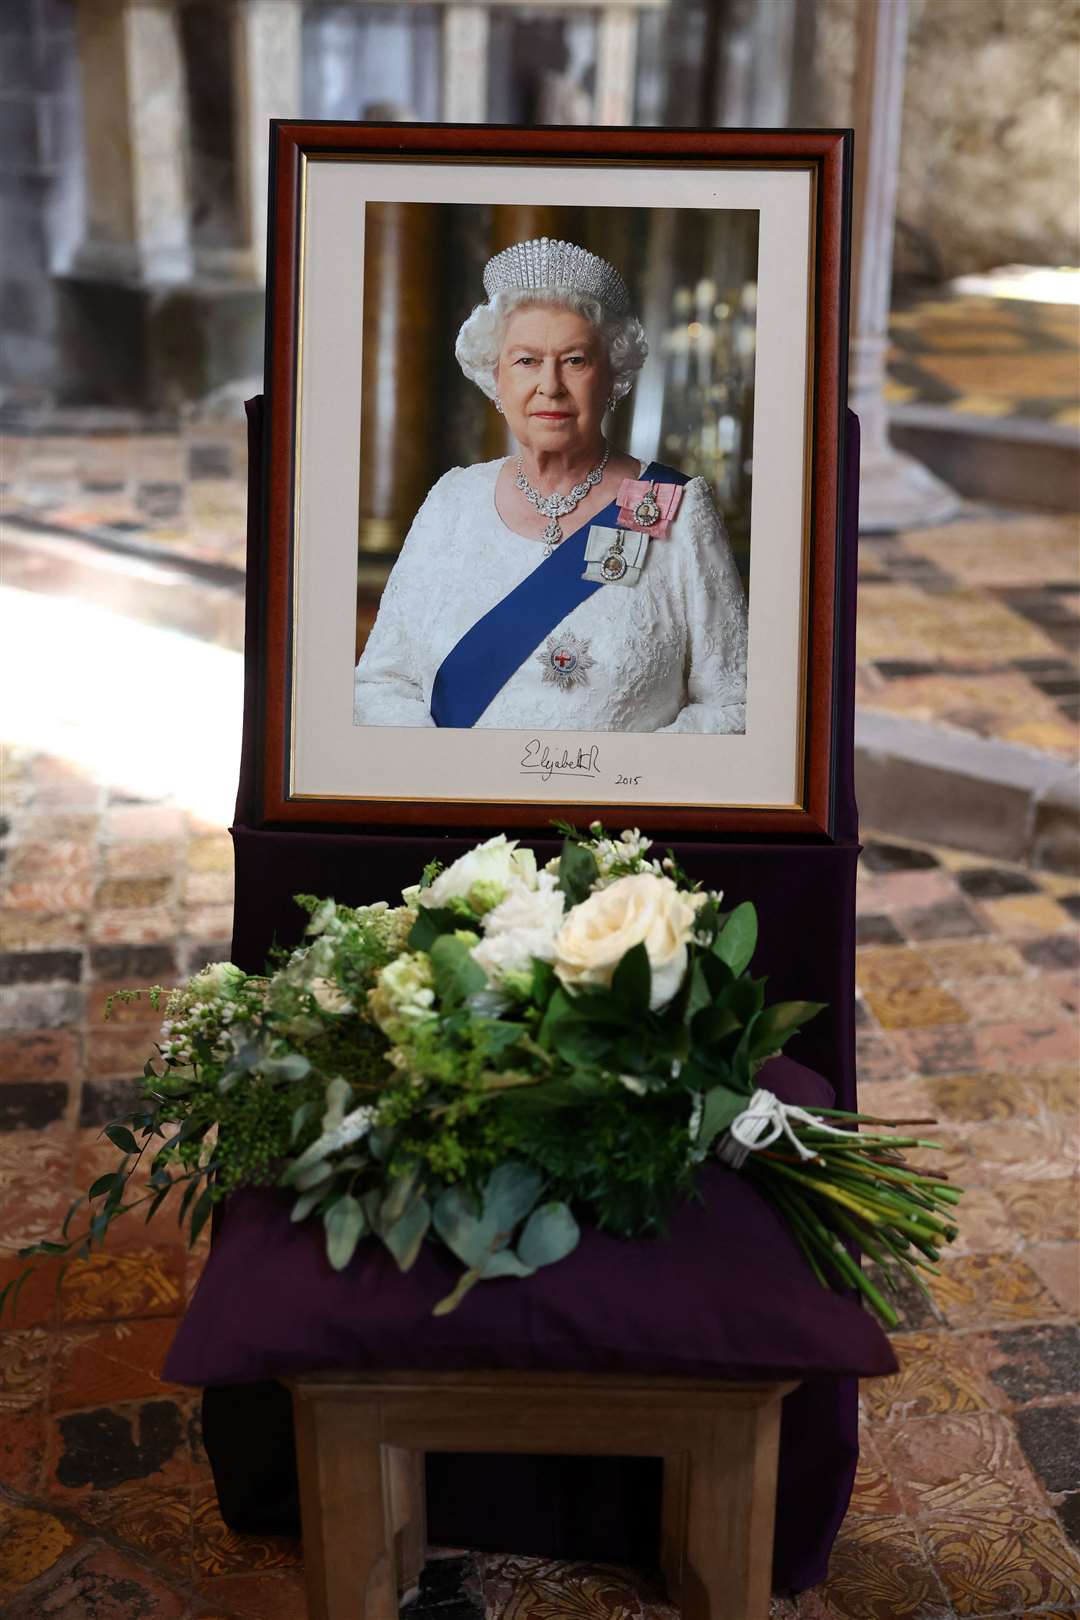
984 356
968 1497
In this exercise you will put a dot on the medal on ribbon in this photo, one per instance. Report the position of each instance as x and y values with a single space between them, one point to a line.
647 507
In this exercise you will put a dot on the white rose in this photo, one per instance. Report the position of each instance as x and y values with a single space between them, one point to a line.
217 980
641 909
498 866
520 927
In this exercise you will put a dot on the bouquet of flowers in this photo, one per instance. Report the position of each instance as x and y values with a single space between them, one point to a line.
508 1051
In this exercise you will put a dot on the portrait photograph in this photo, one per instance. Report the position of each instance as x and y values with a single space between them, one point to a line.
562 518
567 543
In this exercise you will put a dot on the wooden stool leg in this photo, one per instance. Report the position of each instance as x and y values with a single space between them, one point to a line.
731 1506
345 1508
408 1513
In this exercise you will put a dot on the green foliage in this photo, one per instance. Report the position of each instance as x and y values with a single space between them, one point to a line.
396 1094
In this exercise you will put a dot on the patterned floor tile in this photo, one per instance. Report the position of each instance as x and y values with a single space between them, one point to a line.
516 1588
990 1567
218 1550
917 1007
121 1361
962 960
1036 1364
983 1290
138 1282
31 1542
938 1376
155 1520
263 1595
873 1493
1058 1267
962 1463
24 1369
102 1584
94 1452
22 1451
879 1571
1046 1211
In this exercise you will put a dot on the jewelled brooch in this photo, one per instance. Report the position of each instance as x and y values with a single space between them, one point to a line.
566 661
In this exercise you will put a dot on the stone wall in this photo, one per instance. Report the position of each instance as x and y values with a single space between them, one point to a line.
989 164
40 182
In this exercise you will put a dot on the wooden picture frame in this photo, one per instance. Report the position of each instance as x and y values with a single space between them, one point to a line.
311 771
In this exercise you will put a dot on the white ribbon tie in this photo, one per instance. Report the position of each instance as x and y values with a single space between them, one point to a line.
762 1122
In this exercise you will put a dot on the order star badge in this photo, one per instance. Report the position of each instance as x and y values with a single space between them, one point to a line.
566 662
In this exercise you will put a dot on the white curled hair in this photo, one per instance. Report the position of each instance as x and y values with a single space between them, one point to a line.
481 336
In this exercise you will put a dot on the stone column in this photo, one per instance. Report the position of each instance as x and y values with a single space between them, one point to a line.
135 141
465 64
267 63
616 48
895 492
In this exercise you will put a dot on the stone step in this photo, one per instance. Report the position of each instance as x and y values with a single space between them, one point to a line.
1009 460
939 785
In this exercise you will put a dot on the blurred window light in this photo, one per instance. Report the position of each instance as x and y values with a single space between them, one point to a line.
152 712
1037 284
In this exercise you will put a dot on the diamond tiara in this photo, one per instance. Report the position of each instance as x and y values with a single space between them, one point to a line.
543 263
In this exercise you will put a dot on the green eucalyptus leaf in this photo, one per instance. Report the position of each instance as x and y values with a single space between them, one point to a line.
400 1193
550 1234
736 941
291 1066
468 1234
313 1175
408 1232
505 1263
300 1117
510 1193
306 1203
345 1225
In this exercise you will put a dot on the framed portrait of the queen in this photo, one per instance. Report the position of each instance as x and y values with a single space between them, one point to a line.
554 504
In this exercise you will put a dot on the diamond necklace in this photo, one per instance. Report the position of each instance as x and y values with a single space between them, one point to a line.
556 506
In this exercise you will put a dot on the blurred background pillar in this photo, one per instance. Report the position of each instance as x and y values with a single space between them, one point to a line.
616 61
266 52
135 141
465 64
401 311
895 491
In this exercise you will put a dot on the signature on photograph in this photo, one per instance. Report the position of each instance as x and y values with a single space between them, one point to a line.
539 759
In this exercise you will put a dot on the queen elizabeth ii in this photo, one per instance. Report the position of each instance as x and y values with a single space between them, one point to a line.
568 586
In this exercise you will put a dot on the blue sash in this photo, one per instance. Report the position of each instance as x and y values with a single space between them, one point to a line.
488 654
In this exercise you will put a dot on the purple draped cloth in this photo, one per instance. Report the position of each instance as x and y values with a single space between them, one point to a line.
267 1306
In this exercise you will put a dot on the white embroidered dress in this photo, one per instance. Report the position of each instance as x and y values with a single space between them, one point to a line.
668 653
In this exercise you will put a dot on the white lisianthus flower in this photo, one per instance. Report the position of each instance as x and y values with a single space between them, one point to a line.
492 869
217 981
520 927
640 909
330 996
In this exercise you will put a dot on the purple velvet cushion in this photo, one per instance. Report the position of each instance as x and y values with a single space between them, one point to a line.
726 1295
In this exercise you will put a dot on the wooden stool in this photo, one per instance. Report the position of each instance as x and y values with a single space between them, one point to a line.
361 1439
